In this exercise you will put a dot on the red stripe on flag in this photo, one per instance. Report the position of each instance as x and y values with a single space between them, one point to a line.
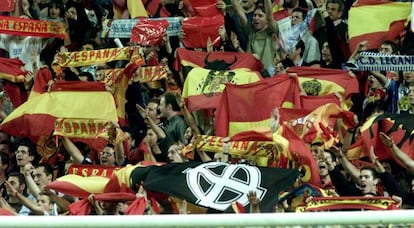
68 188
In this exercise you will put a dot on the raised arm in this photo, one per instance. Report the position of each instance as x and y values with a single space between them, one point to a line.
34 208
240 12
157 129
119 146
348 166
269 17
401 156
73 150
32 186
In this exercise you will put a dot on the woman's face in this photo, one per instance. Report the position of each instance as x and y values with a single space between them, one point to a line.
54 12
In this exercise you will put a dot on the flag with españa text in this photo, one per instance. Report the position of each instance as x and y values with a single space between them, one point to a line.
67 100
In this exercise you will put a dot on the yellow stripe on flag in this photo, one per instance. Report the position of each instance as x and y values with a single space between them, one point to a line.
59 104
376 18
136 9
236 127
92 184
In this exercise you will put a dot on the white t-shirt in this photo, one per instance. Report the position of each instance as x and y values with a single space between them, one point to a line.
22 48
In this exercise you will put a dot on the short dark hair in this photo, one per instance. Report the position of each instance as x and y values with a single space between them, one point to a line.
393 45
57 4
47 168
341 4
29 145
170 98
110 145
372 169
154 100
303 11
21 179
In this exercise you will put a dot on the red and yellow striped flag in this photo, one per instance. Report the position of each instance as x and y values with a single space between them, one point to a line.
243 107
67 100
378 21
321 82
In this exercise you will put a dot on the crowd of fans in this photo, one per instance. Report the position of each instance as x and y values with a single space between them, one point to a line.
158 119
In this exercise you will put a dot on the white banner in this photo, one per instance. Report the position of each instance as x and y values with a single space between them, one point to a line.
121 28
370 61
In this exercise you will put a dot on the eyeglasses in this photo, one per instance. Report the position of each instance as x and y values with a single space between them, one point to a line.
103 153
296 17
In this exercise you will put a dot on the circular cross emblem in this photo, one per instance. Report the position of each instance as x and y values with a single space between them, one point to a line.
217 185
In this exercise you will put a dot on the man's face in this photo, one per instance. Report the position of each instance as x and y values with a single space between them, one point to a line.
386 49
296 18
259 20
333 11
163 108
108 156
323 169
40 177
22 156
367 181
43 201
15 183
152 111
174 155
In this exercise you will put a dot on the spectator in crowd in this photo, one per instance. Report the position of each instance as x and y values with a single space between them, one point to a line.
15 186
25 154
260 31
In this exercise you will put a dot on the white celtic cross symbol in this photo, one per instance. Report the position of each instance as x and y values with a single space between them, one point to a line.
229 183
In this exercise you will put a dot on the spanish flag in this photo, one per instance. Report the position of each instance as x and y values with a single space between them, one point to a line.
66 100
10 70
319 82
243 107
398 126
317 125
203 87
380 22
298 154
187 59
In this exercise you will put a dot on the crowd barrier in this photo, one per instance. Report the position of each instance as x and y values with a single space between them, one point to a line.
397 218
